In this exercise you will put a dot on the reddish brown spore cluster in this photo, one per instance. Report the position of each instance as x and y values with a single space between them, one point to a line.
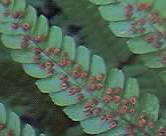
25 41
49 67
112 95
37 55
5 2
52 51
17 14
95 82
71 89
154 17
64 81
143 6
74 90
111 119
144 122
25 26
64 60
90 107
2 126
161 132
156 40
77 72
128 10
127 105
130 130
39 39
137 26
16 25
9 132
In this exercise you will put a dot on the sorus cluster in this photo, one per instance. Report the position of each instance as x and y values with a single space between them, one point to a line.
112 95
156 40
90 107
95 82
111 119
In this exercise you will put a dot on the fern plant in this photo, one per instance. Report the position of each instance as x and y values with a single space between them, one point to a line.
10 124
106 102
143 21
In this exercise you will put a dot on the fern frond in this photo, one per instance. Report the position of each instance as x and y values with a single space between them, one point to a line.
10 124
104 101
100 40
143 21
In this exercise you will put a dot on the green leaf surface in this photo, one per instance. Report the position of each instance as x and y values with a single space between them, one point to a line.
34 71
2 114
131 89
94 125
69 47
97 66
140 46
153 60
42 26
102 2
83 57
122 29
150 105
48 85
14 123
63 99
75 112
23 56
55 38
28 131
116 79
112 12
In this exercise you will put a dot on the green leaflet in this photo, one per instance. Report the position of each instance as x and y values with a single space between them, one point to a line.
34 71
153 60
94 125
13 124
63 63
55 38
132 89
150 105
3 114
28 131
69 47
75 112
41 26
140 46
25 56
116 79
97 66
49 85
63 99
103 2
122 29
83 57
117 15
